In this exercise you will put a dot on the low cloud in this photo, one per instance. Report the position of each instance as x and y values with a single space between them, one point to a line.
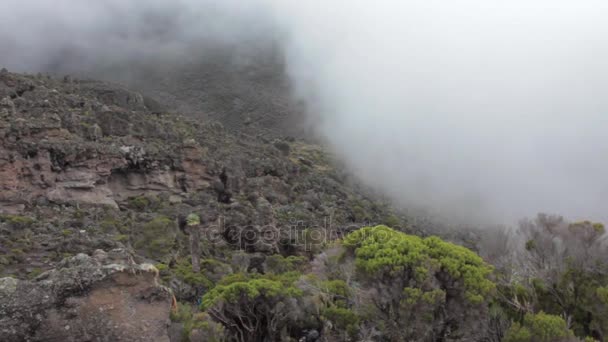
486 110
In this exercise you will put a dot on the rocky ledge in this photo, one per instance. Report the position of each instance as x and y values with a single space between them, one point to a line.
106 297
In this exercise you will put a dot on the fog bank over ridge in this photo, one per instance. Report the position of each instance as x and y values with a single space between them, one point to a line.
485 110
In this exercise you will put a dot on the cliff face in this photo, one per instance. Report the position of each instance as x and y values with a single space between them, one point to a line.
73 142
101 298
85 142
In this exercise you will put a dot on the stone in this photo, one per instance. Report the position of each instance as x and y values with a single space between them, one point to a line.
87 296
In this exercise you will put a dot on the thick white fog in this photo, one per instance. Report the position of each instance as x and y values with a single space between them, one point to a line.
476 109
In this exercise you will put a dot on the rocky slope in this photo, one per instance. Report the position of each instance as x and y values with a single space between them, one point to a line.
88 166
244 87
106 297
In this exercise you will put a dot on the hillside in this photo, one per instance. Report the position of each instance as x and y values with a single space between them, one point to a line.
86 166
123 220
244 87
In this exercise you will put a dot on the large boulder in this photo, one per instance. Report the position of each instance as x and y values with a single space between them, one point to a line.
106 297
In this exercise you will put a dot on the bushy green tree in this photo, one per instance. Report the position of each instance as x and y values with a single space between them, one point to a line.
539 327
156 238
423 288
254 308
197 326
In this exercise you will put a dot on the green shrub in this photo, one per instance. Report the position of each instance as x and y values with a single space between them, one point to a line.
200 321
256 307
121 238
155 238
392 221
193 220
539 327
602 293
16 255
248 290
411 276
336 287
18 222
161 267
183 270
278 264
110 225
139 202
35 272
342 318
381 251
79 214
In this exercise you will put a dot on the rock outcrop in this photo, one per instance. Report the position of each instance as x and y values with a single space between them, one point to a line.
106 297
87 143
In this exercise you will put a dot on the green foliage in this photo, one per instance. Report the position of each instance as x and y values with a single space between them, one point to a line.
17 221
233 283
292 213
164 271
183 313
518 333
17 254
539 327
193 220
121 238
139 202
416 280
381 251
282 146
35 272
248 290
183 270
161 267
413 296
253 307
360 210
211 272
156 238
575 290
342 318
602 294
392 221
279 264
150 203
313 241
530 245
599 228
196 321
337 287
111 224
4 260
311 156
233 278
